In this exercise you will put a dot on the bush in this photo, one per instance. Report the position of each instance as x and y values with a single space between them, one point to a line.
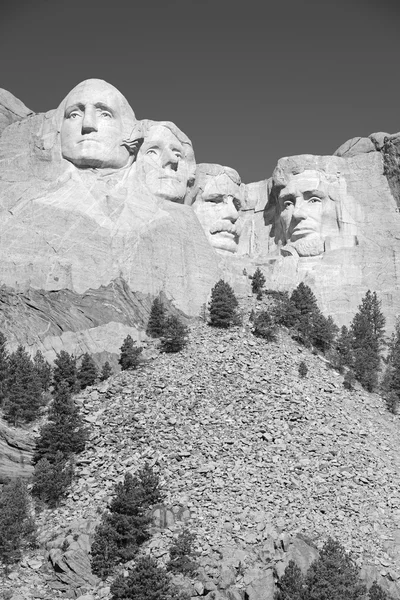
106 371
129 357
223 305
51 480
303 369
291 584
181 554
349 380
174 336
264 327
16 524
125 527
257 282
377 593
87 372
156 324
65 370
146 581
24 390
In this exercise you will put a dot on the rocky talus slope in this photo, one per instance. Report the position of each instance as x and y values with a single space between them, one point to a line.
253 455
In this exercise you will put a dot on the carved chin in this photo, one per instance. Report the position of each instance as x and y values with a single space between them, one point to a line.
305 247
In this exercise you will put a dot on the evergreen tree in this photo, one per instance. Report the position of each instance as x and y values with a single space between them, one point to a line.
391 381
305 308
156 324
375 592
3 367
368 329
258 281
333 575
64 432
324 331
344 348
24 389
65 370
264 327
106 371
303 369
290 585
126 526
51 480
129 357
16 523
43 370
87 372
223 305
146 581
182 554
174 336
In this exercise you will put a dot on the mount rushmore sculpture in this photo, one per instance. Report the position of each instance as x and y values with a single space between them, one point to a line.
101 212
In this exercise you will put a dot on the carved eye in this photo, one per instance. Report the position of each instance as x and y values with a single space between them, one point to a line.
105 114
74 114
314 199
152 151
288 203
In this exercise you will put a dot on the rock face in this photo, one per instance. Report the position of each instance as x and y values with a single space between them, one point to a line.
11 110
16 448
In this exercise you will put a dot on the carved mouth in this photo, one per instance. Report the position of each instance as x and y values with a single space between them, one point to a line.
88 140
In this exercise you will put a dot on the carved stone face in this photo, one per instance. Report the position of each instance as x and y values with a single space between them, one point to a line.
301 207
162 165
93 127
217 208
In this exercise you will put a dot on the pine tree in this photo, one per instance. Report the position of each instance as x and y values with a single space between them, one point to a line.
305 308
223 304
16 523
43 370
146 581
126 526
182 554
65 370
3 367
87 372
129 357
391 381
368 329
64 432
375 592
333 575
51 480
106 371
258 281
323 332
174 336
303 369
156 324
24 389
290 585
264 327
344 348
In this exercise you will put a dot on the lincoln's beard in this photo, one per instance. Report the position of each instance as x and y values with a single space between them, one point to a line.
307 246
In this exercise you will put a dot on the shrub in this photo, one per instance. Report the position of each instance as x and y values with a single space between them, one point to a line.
24 389
52 479
303 369
174 336
333 575
125 527
65 370
223 305
181 554
349 380
16 524
146 581
106 371
129 357
377 593
257 282
156 324
291 584
392 402
264 327
87 372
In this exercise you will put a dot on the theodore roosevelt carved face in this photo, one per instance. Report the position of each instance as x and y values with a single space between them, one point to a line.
217 204
97 119
165 162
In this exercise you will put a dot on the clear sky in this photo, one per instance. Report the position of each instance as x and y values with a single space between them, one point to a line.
247 81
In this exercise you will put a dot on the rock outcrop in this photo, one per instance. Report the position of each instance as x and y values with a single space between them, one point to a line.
11 109
16 450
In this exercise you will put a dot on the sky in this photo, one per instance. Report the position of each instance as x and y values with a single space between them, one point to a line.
248 81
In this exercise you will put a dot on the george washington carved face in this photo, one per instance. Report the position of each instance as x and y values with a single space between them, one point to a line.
96 120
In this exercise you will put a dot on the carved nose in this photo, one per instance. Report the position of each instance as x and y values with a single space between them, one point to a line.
299 212
170 160
230 212
89 122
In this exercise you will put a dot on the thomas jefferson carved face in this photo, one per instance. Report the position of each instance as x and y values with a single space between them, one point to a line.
97 118
301 207
162 164
217 208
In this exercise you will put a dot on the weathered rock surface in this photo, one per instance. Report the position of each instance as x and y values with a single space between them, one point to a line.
16 449
11 109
